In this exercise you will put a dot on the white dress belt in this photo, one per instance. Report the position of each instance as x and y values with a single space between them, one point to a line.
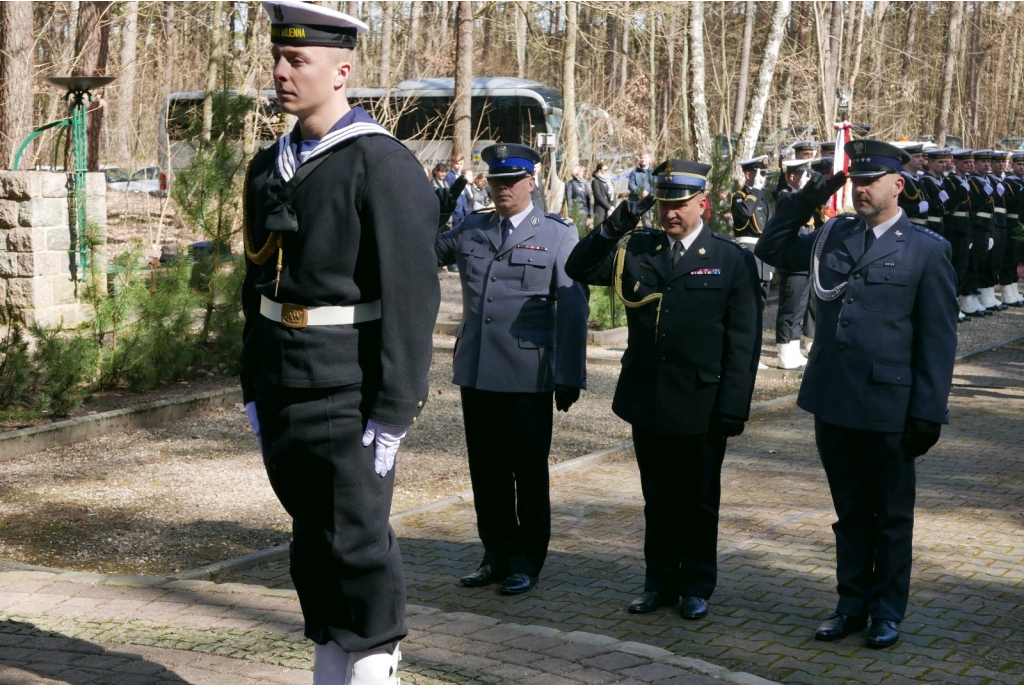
297 316
919 222
960 214
1000 210
983 215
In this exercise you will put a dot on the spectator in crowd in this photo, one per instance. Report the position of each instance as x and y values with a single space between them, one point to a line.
438 181
458 163
480 192
577 195
603 192
641 180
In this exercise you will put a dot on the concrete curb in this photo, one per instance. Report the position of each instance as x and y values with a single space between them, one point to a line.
988 348
28 440
656 654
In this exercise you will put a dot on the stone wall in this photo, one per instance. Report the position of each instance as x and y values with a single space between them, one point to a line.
35 275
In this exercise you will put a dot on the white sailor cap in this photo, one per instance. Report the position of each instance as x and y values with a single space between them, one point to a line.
910 146
754 163
794 165
301 23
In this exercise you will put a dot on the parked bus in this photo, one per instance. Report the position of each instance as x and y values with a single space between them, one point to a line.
417 112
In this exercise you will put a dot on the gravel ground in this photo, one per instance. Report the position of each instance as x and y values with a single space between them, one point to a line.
194 492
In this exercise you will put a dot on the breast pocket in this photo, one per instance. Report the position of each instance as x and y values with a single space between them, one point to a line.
885 289
530 269
473 260
641 280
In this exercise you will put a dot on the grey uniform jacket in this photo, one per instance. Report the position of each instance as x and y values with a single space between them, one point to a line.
524 321
886 347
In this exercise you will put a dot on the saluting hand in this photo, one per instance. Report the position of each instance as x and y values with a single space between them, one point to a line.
626 216
449 198
386 440
565 397
819 188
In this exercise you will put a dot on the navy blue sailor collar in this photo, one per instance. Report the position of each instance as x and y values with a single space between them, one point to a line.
356 122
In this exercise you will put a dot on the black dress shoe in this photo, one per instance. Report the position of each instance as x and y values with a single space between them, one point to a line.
693 608
883 633
839 626
651 600
485 575
517 584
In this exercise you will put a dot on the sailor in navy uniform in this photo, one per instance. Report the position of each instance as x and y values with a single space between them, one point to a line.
879 374
939 199
693 307
751 212
340 299
795 315
523 337
913 199
983 206
993 168
1014 252
958 225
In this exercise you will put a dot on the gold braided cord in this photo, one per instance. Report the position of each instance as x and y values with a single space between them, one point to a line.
916 197
618 264
274 241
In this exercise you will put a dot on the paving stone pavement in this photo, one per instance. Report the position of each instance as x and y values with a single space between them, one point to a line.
776 559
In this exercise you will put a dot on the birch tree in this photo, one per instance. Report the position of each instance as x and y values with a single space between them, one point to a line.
463 142
16 79
569 129
741 88
701 128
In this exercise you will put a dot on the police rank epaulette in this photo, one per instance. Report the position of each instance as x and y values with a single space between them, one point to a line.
560 219
722 236
927 231
483 210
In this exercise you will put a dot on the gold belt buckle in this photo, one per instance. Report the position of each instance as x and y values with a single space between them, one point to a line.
293 315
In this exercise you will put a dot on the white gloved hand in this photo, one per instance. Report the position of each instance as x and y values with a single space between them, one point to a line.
387 439
805 178
922 207
1000 188
991 243
759 181
254 421
988 189
943 196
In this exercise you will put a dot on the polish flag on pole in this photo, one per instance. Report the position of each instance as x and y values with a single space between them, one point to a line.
840 163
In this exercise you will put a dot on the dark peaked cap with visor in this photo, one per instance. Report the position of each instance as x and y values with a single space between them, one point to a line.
678 179
874 158
509 160
301 23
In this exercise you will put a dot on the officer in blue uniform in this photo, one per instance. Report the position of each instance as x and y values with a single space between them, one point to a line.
523 337
879 373
693 307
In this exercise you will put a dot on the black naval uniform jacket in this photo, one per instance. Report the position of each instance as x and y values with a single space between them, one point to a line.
750 212
958 206
913 199
355 244
937 206
694 344
885 349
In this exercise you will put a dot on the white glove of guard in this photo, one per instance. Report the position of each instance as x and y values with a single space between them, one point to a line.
922 207
254 421
759 181
387 439
1000 188
805 178
991 243
943 196
988 189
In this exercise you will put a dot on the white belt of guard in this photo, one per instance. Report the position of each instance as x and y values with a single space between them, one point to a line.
919 222
1000 210
297 316
1011 216
984 215
960 214
935 219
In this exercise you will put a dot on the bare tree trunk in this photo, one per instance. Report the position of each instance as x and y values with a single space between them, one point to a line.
909 77
684 91
1015 80
92 45
880 55
975 75
956 15
216 54
16 79
412 50
702 132
830 47
669 91
741 89
386 32
858 49
522 25
611 53
463 142
126 114
652 109
624 69
769 58
798 39
569 128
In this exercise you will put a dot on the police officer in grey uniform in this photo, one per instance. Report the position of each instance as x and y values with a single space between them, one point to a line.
879 373
523 337
693 307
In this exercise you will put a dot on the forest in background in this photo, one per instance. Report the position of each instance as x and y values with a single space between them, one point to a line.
669 75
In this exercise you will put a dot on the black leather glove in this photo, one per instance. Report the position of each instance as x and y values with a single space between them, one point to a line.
565 397
626 216
819 188
730 426
919 436
449 198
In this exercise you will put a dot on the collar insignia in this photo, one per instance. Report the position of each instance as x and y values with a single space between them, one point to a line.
657 248
702 251
898 234
534 220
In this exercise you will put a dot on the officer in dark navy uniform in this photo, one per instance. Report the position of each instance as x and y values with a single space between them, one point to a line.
879 373
751 212
523 338
693 308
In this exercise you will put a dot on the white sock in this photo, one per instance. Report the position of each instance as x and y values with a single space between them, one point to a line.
376 667
330 664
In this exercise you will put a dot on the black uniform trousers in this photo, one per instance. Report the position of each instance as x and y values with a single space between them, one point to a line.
960 243
1012 253
345 560
796 310
978 258
994 262
873 490
508 437
680 476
